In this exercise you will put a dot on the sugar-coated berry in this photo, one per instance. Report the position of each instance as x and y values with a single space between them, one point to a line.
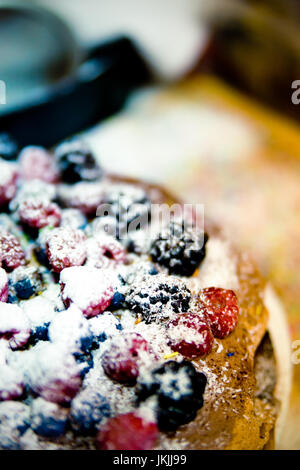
103 327
11 253
76 162
190 335
14 421
118 301
8 182
90 289
127 432
178 389
180 248
53 373
103 251
124 356
84 196
220 308
3 286
11 383
65 248
48 419
8 147
14 325
88 409
26 282
38 213
36 163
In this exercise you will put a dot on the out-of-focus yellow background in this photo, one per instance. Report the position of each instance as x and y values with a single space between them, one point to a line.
237 152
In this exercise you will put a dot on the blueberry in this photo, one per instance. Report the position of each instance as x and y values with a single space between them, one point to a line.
76 162
48 419
40 333
24 289
14 421
117 301
8 147
179 390
86 362
88 409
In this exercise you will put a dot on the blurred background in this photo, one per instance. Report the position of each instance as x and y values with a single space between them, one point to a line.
203 99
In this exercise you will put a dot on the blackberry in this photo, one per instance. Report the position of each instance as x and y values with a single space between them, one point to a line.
76 162
179 390
88 409
158 297
179 248
8 147
125 208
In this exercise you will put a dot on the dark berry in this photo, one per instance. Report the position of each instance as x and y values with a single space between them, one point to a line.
124 208
158 297
127 432
14 421
48 419
86 362
190 335
65 248
88 409
26 282
35 163
180 248
103 327
76 162
220 308
117 301
124 355
11 253
8 147
179 390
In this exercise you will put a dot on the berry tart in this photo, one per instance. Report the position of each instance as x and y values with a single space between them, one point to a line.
119 330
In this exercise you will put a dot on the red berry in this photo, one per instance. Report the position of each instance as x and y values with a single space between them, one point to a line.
83 196
65 248
3 286
8 181
90 289
37 163
11 253
54 373
221 310
190 335
14 325
127 432
104 251
11 383
38 213
124 355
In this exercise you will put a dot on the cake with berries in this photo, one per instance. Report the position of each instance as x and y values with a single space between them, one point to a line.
120 329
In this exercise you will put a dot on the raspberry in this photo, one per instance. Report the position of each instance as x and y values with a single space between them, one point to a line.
11 253
73 218
53 373
190 335
104 251
158 297
90 289
14 325
124 355
37 163
8 182
124 208
11 383
76 162
85 197
178 388
65 248
3 286
8 147
220 307
180 248
127 432
38 213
